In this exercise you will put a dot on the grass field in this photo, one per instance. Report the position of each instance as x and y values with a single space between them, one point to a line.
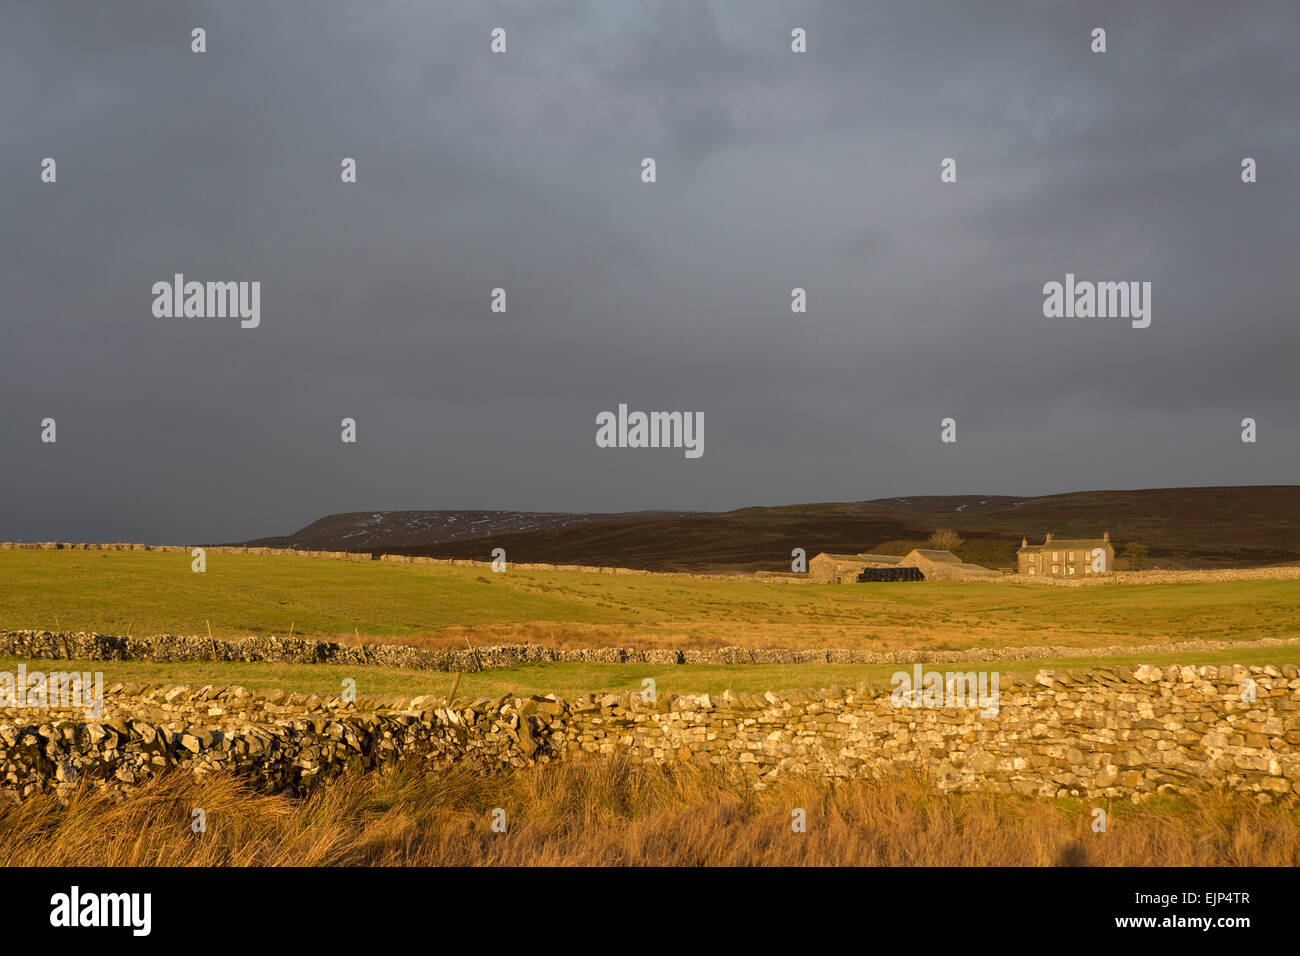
602 812
610 813
152 592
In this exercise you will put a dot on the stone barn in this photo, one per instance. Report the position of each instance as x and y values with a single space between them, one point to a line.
845 568
944 566
933 565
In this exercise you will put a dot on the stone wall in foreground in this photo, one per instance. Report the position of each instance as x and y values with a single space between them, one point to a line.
1119 732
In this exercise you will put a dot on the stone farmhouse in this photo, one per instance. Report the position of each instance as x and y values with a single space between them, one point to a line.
1066 557
933 565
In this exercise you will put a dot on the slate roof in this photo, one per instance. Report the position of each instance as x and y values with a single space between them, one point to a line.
1058 544
944 557
857 558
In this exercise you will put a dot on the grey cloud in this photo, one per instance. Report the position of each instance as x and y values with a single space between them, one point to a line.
522 171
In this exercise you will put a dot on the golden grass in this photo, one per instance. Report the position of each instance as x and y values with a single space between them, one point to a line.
145 593
609 812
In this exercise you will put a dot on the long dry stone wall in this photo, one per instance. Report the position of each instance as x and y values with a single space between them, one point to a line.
1284 572
59 645
365 556
1124 732
1288 572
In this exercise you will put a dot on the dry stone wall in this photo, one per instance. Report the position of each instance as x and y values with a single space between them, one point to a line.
365 557
1275 573
1124 732
1284 572
59 645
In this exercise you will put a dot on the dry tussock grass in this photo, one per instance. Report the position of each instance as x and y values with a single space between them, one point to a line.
609 812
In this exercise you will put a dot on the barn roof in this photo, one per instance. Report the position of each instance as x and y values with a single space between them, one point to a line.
859 558
945 557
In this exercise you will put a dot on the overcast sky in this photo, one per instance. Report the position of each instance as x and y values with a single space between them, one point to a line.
522 170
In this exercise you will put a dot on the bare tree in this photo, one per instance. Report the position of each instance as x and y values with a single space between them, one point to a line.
945 539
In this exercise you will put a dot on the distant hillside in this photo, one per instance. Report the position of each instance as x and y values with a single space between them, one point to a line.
1182 527
385 530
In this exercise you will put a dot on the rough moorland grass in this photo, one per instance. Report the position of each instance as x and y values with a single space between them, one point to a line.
572 680
151 592
608 812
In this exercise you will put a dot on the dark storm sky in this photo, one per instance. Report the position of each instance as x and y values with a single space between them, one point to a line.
522 170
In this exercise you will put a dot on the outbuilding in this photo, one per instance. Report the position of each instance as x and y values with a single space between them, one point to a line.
844 568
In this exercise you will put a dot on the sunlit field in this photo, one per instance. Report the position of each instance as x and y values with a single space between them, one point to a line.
143 593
